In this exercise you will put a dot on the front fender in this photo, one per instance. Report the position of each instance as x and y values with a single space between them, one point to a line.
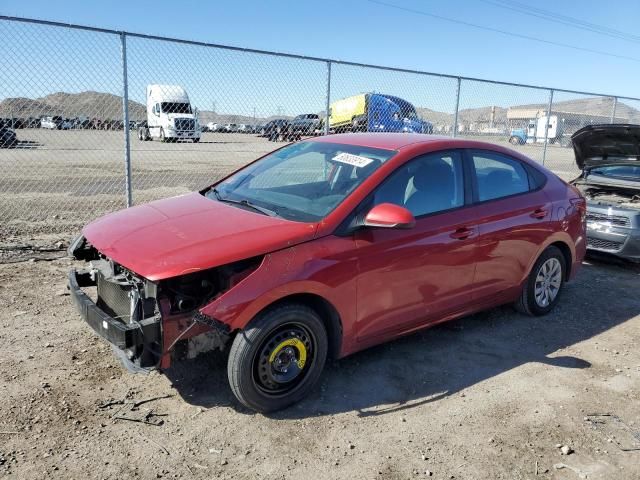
325 267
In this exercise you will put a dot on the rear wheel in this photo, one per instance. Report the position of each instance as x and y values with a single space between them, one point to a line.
543 287
162 137
515 140
278 359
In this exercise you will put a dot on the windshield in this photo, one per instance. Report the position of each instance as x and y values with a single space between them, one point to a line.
304 181
175 107
625 172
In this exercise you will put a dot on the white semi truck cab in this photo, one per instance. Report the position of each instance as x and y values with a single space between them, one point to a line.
169 115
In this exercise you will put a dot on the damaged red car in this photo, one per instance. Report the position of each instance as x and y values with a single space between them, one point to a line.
323 248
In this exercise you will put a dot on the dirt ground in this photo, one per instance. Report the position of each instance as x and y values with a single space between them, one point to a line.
492 396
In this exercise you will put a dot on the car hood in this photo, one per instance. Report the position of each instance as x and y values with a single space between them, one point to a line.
179 235
596 145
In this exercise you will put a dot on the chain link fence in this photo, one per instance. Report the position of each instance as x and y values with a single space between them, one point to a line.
94 120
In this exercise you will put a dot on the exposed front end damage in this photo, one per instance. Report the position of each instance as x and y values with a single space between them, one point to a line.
613 219
149 323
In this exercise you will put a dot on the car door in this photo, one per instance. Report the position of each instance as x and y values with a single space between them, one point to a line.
408 278
516 219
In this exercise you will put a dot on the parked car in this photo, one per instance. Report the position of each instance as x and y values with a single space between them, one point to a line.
47 122
213 127
8 137
55 123
273 126
229 128
326 247
18 123
306 124
278 130
609 157
245 128
33 122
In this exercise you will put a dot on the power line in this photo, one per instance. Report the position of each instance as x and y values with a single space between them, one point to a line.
564 20
503 32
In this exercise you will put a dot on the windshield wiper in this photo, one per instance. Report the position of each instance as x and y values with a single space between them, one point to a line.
245 203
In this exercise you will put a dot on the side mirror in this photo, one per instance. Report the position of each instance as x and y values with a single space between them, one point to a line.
388 215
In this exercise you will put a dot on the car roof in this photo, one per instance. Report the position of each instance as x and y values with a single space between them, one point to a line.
421 143
392 141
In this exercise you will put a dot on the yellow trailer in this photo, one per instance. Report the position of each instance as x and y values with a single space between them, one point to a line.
342 112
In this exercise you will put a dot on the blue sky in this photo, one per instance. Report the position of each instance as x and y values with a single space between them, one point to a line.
354 30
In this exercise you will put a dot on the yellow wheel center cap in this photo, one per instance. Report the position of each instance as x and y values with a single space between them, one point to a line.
295 343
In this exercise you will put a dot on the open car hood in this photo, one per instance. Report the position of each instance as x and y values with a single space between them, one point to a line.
596 145
179 235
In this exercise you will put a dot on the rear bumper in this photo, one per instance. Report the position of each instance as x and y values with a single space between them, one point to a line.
121 335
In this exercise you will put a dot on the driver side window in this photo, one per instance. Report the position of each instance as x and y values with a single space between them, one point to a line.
427 184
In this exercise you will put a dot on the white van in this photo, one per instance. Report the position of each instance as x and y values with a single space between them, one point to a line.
169 115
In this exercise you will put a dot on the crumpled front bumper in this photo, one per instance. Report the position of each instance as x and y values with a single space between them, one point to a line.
122 335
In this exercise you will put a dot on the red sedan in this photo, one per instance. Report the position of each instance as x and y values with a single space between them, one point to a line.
323 248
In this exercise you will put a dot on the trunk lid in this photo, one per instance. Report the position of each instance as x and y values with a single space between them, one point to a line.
178 235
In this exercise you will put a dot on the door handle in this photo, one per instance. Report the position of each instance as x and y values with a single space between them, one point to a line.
539 213
462 233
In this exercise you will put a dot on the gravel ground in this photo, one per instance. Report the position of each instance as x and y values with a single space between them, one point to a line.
56 181
492 396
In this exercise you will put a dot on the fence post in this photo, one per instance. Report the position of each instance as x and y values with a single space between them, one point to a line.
328 101
454 132
613 109
125 111
546 127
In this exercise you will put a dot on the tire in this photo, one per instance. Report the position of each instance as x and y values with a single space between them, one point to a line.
196 140
515 141
255 368
530 301
162 137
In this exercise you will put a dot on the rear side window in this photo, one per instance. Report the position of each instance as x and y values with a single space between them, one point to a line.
499 176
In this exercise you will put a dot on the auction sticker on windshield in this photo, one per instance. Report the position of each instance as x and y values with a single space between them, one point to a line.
350 159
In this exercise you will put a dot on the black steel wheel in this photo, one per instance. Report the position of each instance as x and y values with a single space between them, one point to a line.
278 358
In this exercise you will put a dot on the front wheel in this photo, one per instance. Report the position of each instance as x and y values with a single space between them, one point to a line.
277 360
162 136
542 290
